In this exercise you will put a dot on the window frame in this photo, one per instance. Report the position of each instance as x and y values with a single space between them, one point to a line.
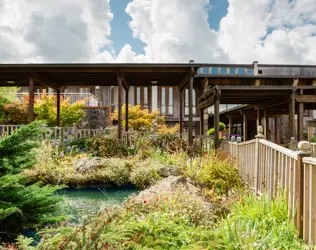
169 111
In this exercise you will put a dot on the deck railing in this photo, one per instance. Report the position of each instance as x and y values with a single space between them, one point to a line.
268 167
6 130
203 143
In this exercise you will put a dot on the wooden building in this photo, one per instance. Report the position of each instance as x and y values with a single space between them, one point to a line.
183 92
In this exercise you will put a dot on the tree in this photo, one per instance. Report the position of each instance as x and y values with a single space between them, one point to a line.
22 205
139 119
45 109
7 95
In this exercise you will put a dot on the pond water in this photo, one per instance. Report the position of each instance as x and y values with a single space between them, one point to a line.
82 203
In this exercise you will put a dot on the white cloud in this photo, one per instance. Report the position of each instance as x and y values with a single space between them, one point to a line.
270 31
53 31
175 30
244 31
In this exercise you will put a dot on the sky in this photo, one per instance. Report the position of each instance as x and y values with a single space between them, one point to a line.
162 31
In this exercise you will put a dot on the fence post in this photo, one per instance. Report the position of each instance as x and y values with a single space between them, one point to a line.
257 156
74 130
293 144
230 148
304 148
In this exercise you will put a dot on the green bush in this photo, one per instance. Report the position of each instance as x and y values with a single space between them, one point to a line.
222 127
145 174
22 205
260 222
107 146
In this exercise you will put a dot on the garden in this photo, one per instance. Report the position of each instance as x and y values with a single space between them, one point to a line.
100 193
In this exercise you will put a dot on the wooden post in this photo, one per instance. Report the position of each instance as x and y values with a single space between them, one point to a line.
181 111
190 125
216 122
126 108
265 124
245 127
258 118
120 90
276 130
257 155
31 100
58 108
230 124
292 115
300 125
304 151
202 122
74 130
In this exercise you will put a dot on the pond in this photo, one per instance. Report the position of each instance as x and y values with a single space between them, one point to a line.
82 203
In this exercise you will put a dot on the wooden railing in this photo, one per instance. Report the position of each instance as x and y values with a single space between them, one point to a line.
268 167
6 130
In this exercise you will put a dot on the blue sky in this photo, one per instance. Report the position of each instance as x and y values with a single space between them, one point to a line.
121 34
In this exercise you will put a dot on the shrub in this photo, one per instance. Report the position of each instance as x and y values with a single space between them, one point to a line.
16 112
107 146
214 171
144 174
22 205
139 119
222 127
45 109
260 222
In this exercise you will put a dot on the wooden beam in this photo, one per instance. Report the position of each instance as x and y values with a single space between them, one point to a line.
271 103
306 98
184 81
58 109
42 80
120 74
31 100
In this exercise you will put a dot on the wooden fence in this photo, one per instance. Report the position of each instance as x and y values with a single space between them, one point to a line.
268 167
6 130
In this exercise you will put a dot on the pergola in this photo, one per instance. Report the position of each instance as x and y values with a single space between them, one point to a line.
56 76
278 95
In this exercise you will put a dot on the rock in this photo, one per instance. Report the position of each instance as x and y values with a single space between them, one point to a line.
167 186
169 171
85 165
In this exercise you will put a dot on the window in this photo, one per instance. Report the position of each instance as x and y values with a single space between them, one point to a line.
186 103
142 97
166 100
112 98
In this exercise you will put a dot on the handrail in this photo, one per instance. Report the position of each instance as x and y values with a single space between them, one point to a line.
279 148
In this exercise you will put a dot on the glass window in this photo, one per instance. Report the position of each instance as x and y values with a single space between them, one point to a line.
186 107
145 97
163 100
138 96
170 101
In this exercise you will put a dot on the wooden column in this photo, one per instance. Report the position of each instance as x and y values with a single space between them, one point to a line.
258 118
181 110
31 100
126 108
276 140
300 120
245 127
265 124
202 122
120 90
216 122
190 125
58 109
230 124
292 115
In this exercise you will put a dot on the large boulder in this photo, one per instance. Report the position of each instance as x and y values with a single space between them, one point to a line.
85 165
167 186
167 171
